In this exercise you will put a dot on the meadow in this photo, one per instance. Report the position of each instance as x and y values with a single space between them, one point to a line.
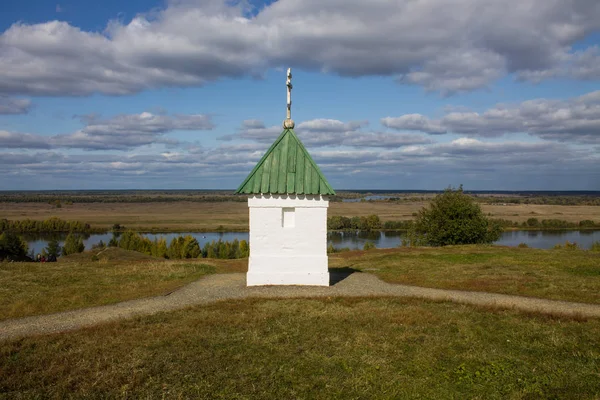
75 281
118 275
335 348
375 347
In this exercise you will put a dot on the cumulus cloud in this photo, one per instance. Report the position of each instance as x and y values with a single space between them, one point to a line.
121 132
413 122
571 120
330 125
14 140
9 105
486 164
447 46
328 132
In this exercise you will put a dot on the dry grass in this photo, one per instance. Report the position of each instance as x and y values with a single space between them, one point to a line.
76 281
572 275
194 216
312 349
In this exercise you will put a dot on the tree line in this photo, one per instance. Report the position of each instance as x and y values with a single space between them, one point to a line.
547 224
373 222
52 224
181 247
369 223
56 199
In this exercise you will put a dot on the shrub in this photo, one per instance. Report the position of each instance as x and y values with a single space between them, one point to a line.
595 246
567 246
53 248
369 246
453 218
523 246
73 244
12 246
587 223
533 222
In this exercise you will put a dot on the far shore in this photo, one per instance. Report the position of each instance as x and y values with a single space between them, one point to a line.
232 216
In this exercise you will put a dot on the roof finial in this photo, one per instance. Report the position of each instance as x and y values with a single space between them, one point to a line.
289 123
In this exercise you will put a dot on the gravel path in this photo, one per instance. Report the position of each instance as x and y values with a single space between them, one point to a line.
233 286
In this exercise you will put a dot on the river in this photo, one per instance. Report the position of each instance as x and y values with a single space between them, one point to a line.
356 240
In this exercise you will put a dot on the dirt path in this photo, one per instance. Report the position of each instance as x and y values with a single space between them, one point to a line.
233 286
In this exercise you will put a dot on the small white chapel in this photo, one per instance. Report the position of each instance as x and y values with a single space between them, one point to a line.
288 213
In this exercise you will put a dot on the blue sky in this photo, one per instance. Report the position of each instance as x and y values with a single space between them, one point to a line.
189 94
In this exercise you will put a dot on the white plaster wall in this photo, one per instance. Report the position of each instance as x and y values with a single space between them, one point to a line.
288 255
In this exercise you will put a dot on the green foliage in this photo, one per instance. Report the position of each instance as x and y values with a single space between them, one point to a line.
453 218
182 247
73 244
523 246
331 249
52 224
226 250
595 246
587 223
159 248
53 248
12 246
505 223
567 246
398 225
369 246
370 223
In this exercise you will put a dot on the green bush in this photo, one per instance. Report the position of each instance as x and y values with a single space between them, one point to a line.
53 248
567 246
52 224
12 246
453 218
73 244
226 250
369 246
533 222
523 246
595 246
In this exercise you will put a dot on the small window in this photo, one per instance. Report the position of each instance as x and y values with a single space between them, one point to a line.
289 217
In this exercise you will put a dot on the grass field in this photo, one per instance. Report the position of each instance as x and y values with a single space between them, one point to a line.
192 216
313 349
572 275
75 281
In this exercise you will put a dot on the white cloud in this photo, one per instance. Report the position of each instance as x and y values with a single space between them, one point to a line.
450 46
328 132
574 120
478 163
330 125
413 122
121 132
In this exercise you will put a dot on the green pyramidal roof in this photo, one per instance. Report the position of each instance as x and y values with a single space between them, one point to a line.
286 168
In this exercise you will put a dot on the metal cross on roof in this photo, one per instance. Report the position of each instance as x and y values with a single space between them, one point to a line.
288 123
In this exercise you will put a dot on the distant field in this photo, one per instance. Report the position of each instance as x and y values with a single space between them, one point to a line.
206 216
